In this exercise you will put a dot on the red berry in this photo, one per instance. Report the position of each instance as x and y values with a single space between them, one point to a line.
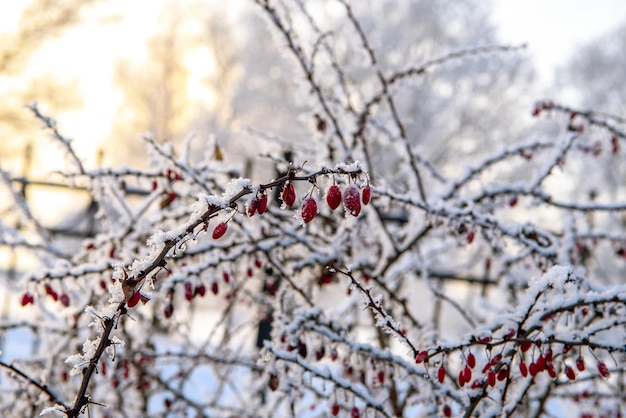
471 360
513 201
214 288
168 310
447 411
354 413
525 346
352 200
288 195
200 290
134 299
503 373
302 349
496 359
551 369
468 374
541 363
171 196
51 292
421 356
309 209
470 236
334 410
226 277
262 204
189 293
477 384
523 369
580 363
604 371
253 205
27 298
569 372
65 300
366 195
614 145
333 354
461 379
381 376
491 378
333 196
257 263
220 230
154 185
533 369
441 374
548 355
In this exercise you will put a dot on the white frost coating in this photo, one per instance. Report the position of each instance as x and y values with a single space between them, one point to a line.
116 293
80 361
354 166
235 186
56 410
555 277
205 200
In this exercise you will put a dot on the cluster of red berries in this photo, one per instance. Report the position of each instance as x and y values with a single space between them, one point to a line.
496 370
352 198
28 298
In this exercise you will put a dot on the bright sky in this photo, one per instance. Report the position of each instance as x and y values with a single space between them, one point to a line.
554 29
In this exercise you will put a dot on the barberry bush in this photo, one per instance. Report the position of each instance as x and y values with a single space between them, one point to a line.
371 278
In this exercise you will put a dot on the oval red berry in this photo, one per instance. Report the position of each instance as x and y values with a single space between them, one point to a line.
580 364
441 374
220 230
604 371
366 195
352 200
471 360
262 205
288 195
309 209
253 205
333 196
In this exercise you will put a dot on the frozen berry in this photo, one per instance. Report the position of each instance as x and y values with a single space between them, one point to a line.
441 374
309 209
220 230
253 205
288 195
262 204
366 195
421 356
471 360
604 371
333 197
352 200
27 298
